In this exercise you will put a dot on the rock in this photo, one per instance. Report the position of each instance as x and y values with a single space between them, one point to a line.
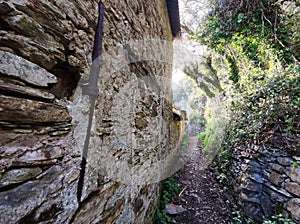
277 167
27 49
174 209
256 177
293 206
251 186
18 176
113 213
295 174
5 8
276 178
37 54
266 206
32 111
27 91
252 210
141 123
45 153
16 66
20 201
247 197
285 161
254 167
94 205
138 204
293 188
278 195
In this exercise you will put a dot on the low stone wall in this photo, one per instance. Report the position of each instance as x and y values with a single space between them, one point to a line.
268 182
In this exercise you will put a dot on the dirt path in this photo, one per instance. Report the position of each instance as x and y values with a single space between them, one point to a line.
202 197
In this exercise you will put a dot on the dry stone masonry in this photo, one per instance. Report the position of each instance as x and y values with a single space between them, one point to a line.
268 182
45 59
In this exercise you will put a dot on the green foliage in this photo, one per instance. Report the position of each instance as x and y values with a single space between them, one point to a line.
256 58
250 26
260 42
184 142
295 164
216 118
276 219
269 111
169 189
196 120
205 76
201 136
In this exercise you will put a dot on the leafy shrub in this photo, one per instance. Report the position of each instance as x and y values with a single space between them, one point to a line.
169 189
271 21
263 73
275 219
201 136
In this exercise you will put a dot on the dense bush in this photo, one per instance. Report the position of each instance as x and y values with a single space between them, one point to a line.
270 113
169 189
260 75
250 24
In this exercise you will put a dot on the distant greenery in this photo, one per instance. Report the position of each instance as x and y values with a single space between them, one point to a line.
169 189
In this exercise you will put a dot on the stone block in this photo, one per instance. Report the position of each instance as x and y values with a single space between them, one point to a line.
285 161
256 177
24 199
293 188
276 178
25 70
277 167
295 174
277 194
250 198
266 206
32 111
293 206
253 211
254 167
251 186
18 176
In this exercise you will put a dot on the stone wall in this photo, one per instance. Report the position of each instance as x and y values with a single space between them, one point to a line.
268 182
45 54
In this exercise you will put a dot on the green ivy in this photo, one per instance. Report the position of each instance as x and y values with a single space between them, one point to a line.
169 189
269 113
248 27
261 45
